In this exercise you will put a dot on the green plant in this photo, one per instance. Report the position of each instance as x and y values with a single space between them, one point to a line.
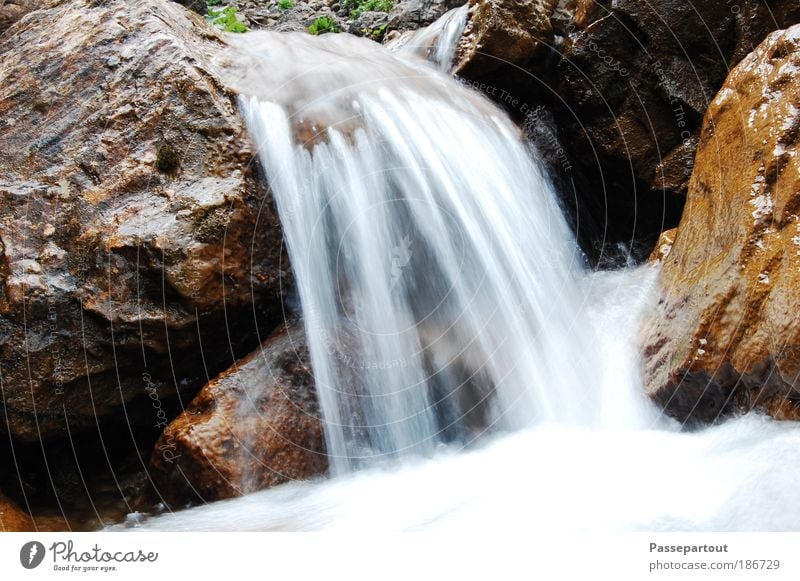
358 7
212 3
285 4
322 25
226 19
378 32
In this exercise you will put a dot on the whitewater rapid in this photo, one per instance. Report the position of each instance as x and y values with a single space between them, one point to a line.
737 476
740 476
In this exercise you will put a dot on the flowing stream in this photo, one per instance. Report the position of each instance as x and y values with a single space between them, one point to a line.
471 372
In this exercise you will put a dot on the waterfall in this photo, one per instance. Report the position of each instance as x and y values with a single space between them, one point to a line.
439 282
438 42
444 298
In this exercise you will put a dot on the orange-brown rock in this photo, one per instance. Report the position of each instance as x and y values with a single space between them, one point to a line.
726 333
13 518
664 245
254 426
132 227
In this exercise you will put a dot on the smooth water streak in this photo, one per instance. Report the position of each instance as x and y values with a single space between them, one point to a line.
438 278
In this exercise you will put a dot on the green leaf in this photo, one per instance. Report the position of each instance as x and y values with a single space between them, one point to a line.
322 25
226 19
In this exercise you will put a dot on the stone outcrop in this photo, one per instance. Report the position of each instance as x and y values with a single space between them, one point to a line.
134 233
726 334
254 426
633 83
502 35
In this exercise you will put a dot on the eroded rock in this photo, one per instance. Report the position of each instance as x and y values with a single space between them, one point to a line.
726 334
254 426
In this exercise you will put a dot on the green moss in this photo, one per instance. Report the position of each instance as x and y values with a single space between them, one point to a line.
378 32
285 4
322 25
358 7
226 19
166 158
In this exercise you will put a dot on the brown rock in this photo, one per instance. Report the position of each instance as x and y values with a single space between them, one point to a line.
254 426
132 229
13 518
726 334
634 82
501 35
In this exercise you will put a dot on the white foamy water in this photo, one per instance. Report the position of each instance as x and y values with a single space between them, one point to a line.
438 42
471 373
739 476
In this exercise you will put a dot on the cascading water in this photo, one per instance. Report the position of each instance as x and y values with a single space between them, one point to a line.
443 297
437 276
436 43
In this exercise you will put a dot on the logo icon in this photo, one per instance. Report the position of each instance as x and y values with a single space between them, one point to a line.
32 554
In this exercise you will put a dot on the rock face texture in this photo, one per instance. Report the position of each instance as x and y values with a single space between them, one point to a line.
503 34
134 236
627 83
255 425
633 83
12 10
726 334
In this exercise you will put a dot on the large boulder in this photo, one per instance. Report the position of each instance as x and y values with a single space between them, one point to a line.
133 229
254 426
726 333
501 36
633 84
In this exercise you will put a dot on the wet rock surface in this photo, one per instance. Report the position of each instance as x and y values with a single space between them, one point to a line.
134 234
13 518
501 35
633 82
627 84
254 426
726 335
